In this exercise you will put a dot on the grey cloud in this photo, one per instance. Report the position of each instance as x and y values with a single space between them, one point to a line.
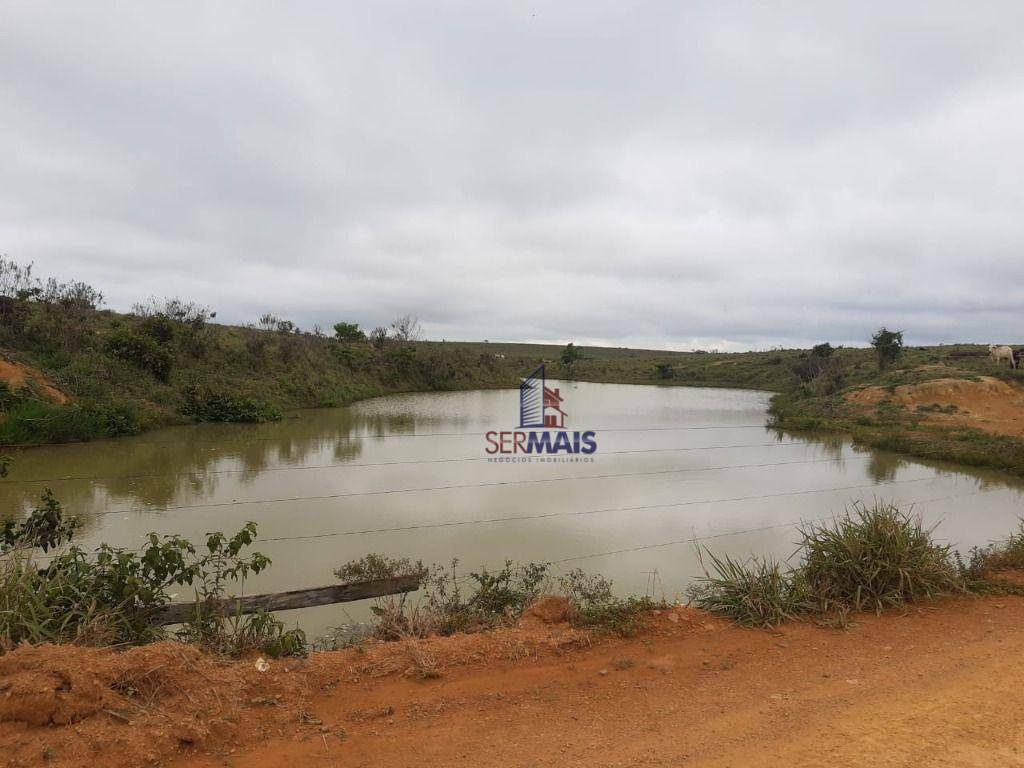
707 174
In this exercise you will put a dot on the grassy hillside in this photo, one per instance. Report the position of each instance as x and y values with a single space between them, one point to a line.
126 373
823 403
168 363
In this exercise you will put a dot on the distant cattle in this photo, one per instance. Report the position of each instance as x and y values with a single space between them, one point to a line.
1000 352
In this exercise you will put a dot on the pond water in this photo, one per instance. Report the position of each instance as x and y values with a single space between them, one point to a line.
408 476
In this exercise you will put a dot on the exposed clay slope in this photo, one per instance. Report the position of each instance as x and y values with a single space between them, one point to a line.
17 375
988 404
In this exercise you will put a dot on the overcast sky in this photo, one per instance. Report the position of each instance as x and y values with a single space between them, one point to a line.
666 174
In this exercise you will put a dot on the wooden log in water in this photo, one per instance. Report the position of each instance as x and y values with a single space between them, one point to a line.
177 613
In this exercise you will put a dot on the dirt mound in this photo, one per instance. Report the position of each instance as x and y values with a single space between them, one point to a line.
17 376
933 685
552 609
62 704
988 404
43 686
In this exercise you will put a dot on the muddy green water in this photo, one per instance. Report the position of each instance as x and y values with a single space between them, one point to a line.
673 464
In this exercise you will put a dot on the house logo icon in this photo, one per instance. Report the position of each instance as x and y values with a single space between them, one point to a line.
541 434
540 405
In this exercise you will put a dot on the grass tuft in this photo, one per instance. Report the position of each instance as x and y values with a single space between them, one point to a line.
871 558
875 557
754 593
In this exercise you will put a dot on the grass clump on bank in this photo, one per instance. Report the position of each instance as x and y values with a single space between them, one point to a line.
754 593
872 558
983 563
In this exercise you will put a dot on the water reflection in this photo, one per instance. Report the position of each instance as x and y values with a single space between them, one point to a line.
673 465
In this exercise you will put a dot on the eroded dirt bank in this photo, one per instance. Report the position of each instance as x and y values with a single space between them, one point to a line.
942 685
988 404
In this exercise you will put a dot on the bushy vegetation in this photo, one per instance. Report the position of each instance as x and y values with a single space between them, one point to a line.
348 332
110 596
204 404
870 558
166 362
487 599
888 346
146 351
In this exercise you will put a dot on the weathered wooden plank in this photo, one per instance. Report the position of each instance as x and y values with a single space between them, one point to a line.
176 613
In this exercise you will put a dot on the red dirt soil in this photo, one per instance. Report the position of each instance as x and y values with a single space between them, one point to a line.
988 404
17 375
941 685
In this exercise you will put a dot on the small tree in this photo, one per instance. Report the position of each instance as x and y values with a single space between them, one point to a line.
379 337
348 332
570 355
812 365
406 328
888 346
822 351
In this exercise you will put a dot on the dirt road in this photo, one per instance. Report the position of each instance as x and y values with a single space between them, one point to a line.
942 685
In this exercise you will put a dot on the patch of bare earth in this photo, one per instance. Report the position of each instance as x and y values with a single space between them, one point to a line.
941 685
988 404
17 376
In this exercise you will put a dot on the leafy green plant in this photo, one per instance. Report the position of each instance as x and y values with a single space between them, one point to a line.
348 332
141 350
374 567
111 595
570 356
888 346
44 528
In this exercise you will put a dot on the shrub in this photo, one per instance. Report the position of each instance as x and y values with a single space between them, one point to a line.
623 617
160 328
187 312
348 332
374 567
112 595
888 346
44 528
491 599
205 404
874 557
570 355
141 350
379 337
271 322
406 328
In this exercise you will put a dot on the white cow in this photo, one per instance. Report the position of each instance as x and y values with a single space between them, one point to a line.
1000 352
